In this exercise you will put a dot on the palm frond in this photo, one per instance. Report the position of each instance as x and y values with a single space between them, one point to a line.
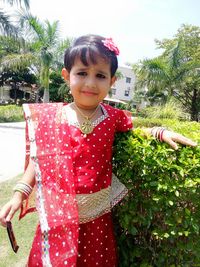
31 25
17 61
52 33
25 3
6 27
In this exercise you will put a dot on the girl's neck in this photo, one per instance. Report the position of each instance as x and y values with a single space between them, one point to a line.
85 109
86 112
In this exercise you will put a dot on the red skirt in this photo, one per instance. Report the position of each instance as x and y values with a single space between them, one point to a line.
97 245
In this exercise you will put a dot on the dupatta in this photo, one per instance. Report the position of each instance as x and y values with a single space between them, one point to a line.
48 145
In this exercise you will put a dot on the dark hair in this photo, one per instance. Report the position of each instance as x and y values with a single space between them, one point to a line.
87 48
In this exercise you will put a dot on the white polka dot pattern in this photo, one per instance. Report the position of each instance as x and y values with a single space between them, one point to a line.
68 164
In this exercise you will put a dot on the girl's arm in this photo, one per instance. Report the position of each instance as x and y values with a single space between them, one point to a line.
9 209
171 138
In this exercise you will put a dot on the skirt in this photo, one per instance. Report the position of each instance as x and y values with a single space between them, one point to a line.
96 245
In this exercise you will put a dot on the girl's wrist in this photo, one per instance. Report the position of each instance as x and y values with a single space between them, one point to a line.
157 132
19 196
23 188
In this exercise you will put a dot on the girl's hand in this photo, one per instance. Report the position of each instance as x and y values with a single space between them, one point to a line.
9 209
173 138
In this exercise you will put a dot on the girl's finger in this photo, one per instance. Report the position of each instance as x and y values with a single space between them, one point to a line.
10 215
171 143
3 214
183 140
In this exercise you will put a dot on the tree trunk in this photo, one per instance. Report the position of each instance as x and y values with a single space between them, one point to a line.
194 109
46 96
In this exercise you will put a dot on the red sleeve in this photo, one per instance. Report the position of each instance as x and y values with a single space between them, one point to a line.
123 121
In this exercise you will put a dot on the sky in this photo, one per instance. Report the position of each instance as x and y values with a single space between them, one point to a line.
133 24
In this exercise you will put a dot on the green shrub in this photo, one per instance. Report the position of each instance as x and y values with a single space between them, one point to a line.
191 129
11 113
171 110
157 224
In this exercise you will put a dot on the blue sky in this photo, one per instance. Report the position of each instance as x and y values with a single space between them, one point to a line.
133 24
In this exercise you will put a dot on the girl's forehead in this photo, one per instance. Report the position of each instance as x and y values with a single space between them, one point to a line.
100 63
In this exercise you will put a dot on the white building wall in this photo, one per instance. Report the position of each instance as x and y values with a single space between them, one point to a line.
123 88
4 93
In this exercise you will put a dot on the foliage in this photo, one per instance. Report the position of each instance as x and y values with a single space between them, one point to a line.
59 91
187 128
7 26
11 113
158 222
175 72
170 110
55 83
42 53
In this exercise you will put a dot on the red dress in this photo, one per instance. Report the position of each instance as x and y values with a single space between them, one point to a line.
91 157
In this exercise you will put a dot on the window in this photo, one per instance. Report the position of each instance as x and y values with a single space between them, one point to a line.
128 80
113 91
126 92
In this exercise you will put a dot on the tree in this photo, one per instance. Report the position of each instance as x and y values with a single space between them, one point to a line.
25 3
6 26
176 71
45 40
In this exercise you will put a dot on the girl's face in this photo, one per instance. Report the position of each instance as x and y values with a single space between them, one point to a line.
89 85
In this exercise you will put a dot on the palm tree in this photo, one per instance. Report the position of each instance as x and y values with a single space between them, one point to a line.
42 53
169 74
45 41
18 2
6 26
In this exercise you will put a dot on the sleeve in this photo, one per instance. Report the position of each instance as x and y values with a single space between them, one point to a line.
123 121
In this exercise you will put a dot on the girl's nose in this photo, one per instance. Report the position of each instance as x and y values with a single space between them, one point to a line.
90 82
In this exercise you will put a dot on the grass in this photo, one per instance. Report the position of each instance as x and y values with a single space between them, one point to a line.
24 232
11 113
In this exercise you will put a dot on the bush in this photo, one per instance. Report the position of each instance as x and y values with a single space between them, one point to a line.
11 113
171 110
157 224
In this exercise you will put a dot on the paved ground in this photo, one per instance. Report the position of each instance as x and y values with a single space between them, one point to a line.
12 149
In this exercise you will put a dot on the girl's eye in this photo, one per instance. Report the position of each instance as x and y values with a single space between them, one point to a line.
101 76
82 73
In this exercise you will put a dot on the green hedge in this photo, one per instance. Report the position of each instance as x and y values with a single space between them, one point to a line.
157 224
11 113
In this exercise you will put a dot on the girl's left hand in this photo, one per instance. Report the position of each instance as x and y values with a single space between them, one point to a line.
172 138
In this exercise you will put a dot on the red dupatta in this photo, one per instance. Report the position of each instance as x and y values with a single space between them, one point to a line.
48 145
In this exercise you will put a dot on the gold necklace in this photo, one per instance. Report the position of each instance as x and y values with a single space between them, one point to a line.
86 127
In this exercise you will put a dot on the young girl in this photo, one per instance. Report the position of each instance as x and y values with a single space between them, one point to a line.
69 153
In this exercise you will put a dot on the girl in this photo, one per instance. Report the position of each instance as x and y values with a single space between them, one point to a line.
69 153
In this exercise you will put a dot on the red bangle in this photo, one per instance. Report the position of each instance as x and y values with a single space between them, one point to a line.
161 135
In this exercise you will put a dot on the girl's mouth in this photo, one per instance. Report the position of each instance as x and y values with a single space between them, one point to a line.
89 93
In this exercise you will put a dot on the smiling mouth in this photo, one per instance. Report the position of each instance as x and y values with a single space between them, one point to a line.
89 93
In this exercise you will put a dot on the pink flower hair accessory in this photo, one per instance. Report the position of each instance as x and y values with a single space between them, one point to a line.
108 42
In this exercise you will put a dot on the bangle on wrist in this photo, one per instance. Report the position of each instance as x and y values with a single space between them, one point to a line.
23 188
157 132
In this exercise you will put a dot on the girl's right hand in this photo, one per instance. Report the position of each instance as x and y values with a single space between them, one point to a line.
9 209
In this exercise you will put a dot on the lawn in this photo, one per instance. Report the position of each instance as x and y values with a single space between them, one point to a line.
23 229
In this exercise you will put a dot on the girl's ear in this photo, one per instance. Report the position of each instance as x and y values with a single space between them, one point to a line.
113 80
65 74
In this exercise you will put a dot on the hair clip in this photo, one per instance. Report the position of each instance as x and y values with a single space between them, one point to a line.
108 42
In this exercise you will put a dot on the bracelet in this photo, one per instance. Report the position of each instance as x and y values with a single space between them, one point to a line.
157 132
161 135
23 187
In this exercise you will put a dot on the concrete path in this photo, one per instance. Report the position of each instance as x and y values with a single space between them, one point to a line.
12 149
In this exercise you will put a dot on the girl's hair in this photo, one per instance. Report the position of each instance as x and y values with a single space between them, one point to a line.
88 48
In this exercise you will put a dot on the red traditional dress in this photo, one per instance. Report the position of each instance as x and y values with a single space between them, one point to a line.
75 188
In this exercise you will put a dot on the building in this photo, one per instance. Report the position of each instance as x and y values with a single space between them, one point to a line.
123 88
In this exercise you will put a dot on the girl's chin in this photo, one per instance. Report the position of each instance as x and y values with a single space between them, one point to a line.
88 104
